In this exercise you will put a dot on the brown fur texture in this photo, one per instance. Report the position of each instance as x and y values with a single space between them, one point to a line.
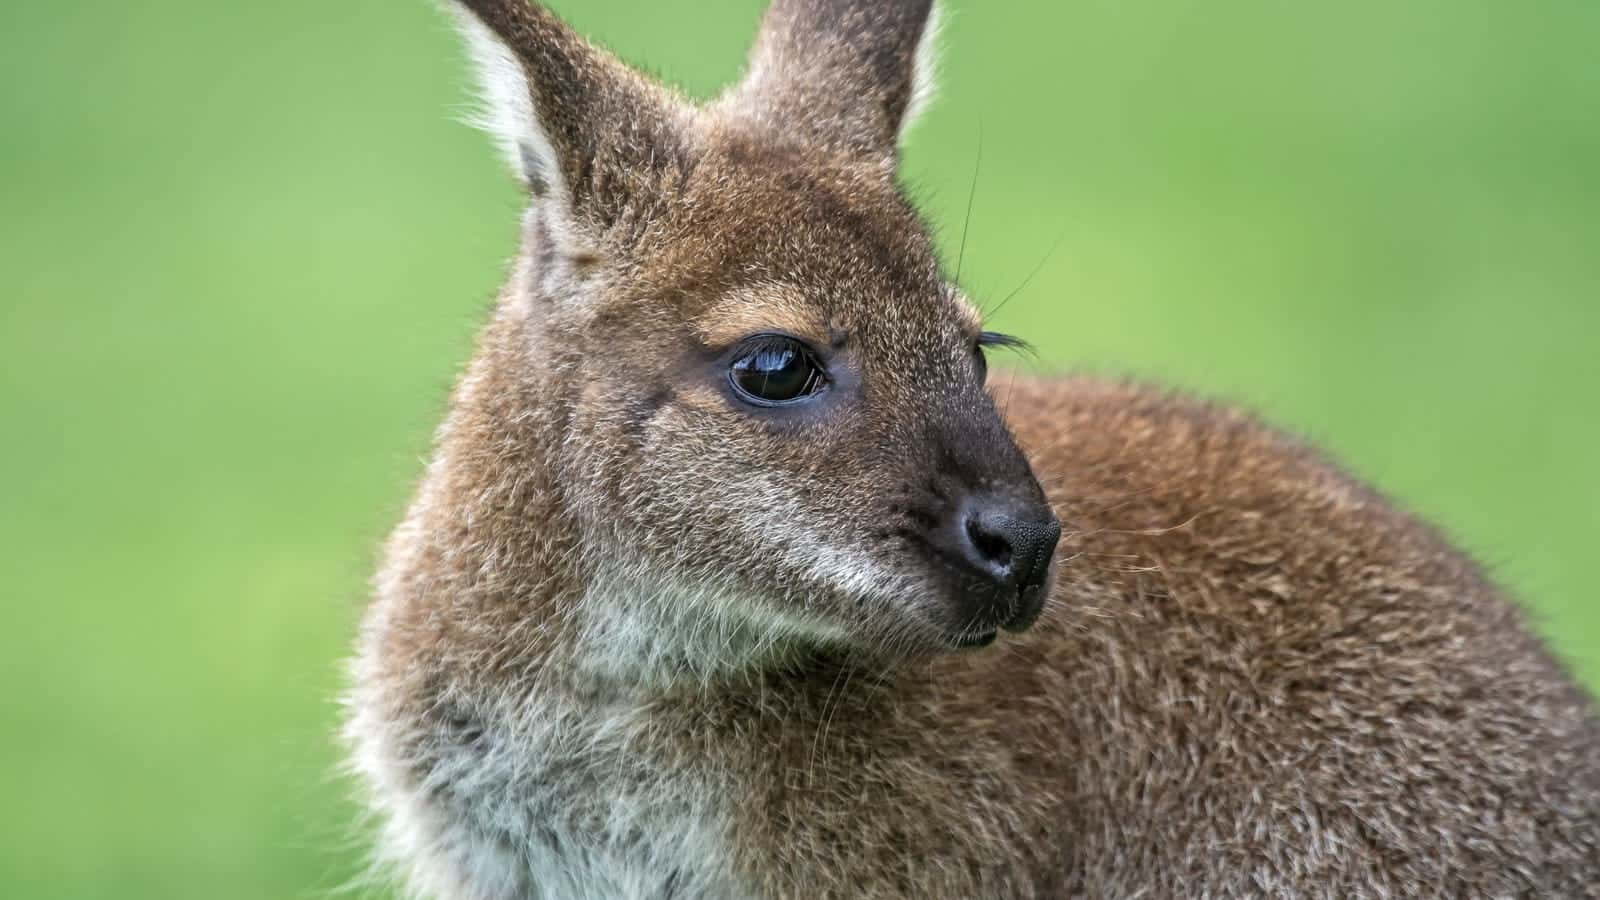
635 638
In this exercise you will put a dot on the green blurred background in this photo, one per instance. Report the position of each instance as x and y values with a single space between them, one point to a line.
245 248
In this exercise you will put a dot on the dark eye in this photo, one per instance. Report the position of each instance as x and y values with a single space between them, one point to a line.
996 339
773 369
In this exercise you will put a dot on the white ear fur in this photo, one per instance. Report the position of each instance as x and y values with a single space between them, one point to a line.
924 70
506 109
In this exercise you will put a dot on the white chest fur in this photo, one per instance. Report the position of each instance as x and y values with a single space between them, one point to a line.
557 803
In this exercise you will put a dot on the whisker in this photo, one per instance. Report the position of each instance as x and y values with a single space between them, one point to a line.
972 193
1054 246
828 709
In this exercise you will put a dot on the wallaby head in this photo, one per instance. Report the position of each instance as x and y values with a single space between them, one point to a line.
758 401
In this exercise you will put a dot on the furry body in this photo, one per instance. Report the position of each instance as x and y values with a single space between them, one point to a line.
635 640
1255 678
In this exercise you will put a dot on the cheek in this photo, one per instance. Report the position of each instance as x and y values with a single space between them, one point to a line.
730 478
690 465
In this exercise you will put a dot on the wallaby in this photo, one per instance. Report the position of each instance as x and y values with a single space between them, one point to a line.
700 595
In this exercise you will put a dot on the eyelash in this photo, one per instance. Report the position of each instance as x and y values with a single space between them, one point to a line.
1005 341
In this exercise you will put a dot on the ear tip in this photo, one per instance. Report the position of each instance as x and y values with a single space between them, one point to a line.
506 111
850 75
515 21
493 8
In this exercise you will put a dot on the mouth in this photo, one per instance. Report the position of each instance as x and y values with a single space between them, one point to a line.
1026 610
1015 612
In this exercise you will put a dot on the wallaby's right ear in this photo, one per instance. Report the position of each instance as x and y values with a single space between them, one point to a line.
574 122
850 75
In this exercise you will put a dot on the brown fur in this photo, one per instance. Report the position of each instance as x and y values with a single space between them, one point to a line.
1254 676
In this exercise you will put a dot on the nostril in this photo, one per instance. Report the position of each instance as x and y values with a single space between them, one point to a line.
993 547
1002 540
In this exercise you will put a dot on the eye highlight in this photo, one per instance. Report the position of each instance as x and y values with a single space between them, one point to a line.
775 370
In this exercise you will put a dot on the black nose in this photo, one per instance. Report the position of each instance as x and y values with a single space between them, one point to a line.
1007 543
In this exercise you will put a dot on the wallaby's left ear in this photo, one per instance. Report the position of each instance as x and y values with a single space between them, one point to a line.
583 131
849 75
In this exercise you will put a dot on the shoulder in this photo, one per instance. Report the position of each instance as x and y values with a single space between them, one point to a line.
1230 595
1207 525
1117 454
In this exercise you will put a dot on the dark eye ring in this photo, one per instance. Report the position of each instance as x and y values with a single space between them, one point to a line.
775 370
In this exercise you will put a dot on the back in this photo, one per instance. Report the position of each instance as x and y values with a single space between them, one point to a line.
1278 682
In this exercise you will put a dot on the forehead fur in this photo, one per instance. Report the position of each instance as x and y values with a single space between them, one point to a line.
761 308
764 234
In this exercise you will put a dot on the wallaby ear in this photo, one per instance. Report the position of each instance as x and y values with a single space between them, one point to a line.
577 125
851 75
